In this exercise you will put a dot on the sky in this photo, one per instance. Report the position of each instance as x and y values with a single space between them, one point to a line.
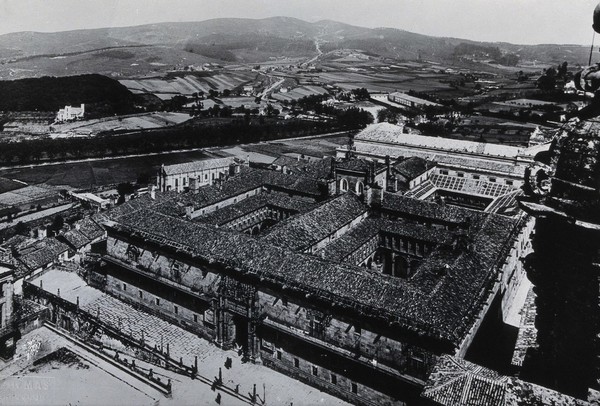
515 21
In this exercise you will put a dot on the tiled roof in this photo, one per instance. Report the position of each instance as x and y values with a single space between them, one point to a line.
347 244
359 165
392 134
425 210
456 382
315 169
196 166
90 229
42 253
173 203
442 305
301 232
413 167
253 203
75 238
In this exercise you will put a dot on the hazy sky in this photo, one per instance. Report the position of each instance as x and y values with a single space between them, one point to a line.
516 21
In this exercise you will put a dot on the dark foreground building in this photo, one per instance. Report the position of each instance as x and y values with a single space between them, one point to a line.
564 196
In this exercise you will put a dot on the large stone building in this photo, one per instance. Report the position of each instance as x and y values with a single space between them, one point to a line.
355 293
191 175
479 175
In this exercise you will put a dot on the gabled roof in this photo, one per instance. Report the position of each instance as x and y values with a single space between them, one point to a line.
42 253
413 167
392 134
196 166
305 230
456 382
75 239
253 203
425 210
90 229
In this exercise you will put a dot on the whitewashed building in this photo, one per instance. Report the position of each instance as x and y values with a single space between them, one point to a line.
70 113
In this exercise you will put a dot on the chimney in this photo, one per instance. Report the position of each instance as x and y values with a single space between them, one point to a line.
189 211
327 187
194 185
77 226
332 171
373 196
152 192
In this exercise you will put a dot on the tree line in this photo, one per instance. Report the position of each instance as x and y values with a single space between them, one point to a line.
182 137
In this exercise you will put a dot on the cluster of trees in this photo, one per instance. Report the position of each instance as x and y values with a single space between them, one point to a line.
483 51
551 76
182 137
102 95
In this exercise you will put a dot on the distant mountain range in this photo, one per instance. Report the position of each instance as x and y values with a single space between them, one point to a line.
138 50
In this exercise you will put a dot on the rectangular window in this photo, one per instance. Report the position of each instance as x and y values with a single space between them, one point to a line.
279 355
509 182
460 174
444 172
493 180
334 379
195 318
124 286
357 329
296 363
157 301
354 387
176 309
315 370
475 176
141 294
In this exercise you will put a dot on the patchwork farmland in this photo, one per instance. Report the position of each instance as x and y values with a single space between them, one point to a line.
188 84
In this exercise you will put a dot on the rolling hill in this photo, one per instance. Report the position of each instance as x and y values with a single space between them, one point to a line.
139 50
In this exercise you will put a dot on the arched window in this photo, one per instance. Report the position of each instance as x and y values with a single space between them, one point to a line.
133 253
359 188
343 185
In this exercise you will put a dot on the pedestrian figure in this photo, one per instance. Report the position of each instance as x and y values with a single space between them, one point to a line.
218 399
228 363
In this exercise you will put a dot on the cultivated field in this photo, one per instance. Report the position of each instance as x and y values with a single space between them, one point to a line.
189 84
299 92
130 122
27 195
99 173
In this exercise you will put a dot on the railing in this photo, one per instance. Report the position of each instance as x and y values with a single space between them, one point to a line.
156 356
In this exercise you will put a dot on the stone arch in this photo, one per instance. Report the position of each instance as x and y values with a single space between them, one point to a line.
255 230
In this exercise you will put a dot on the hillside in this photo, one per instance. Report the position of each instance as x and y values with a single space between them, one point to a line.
102 95
135 51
